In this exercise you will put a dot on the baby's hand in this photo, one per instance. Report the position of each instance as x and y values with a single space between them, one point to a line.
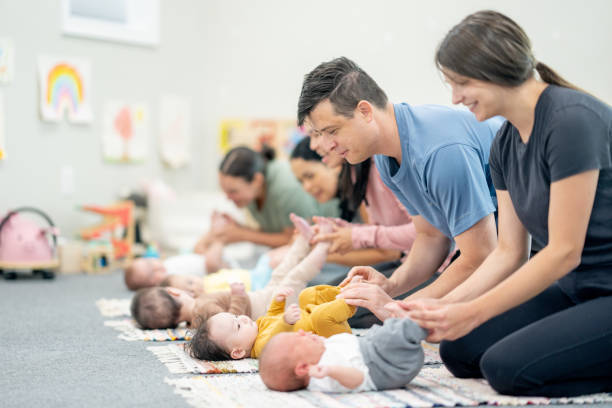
318 371
237 289
282 294
292 314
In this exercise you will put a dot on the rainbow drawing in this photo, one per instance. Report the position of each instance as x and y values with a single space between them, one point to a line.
65 88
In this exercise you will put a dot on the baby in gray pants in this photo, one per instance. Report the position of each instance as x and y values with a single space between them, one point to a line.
388 356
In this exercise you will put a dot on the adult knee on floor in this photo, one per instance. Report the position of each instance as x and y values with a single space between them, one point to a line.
458 359
501 372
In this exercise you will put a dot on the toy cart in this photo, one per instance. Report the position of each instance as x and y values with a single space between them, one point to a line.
26 246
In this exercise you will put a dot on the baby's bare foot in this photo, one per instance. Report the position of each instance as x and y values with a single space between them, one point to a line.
302 226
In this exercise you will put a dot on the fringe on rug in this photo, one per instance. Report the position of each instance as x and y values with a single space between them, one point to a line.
130 332
433 387
114 307
178 361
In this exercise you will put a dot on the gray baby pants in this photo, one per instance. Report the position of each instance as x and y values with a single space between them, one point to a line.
393 352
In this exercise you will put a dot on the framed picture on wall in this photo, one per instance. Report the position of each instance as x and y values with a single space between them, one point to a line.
130 21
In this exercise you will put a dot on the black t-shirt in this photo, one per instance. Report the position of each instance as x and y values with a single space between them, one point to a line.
572 133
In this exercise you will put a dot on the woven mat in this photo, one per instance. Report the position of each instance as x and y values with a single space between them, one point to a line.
434 386
130 332
178 361
114 307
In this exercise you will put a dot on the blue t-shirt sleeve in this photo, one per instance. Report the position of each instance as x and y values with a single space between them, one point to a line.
457 184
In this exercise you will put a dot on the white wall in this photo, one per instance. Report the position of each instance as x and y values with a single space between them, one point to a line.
247 58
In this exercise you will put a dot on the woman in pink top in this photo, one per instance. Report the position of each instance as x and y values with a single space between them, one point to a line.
360 189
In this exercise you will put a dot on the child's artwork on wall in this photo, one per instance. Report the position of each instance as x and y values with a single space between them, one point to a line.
65 87
6 60
280 134
175 135
125 132
2 141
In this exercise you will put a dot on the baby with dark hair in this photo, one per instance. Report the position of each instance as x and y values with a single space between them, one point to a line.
387 357
229 336
152 308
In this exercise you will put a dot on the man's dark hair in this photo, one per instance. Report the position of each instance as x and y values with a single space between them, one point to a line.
203 348
343 83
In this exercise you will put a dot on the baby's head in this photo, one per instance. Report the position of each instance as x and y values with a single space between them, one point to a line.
286 359
193 285
160 308
144 273
224 336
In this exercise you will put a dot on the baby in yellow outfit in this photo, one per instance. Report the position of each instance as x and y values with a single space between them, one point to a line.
226 336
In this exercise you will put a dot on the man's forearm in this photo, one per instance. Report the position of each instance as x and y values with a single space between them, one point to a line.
424 259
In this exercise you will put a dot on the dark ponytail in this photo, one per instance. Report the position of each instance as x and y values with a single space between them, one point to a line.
492 47
549 76
353 193
245 162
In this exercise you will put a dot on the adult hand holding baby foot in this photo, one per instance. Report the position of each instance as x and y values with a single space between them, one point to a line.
365 287
292 314
339 234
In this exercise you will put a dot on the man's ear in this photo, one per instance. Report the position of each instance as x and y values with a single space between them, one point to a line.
301 369
365 110
237 353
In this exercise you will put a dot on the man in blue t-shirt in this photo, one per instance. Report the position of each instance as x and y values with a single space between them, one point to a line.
434 159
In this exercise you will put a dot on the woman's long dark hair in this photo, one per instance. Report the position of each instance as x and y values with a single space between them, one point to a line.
351 193
245 162
490 46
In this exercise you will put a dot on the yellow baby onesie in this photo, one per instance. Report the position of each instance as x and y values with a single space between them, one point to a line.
321 313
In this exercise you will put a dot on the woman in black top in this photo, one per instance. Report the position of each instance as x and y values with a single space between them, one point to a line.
539 326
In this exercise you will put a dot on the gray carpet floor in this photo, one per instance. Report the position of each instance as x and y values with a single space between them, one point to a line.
56 352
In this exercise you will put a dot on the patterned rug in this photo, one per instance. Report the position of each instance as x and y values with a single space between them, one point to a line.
178 361
433 387
114 307
130 332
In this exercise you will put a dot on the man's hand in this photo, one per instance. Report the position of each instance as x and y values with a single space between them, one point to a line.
370 296
369 275
292 314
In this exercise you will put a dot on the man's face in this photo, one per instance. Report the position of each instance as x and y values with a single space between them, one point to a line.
352 139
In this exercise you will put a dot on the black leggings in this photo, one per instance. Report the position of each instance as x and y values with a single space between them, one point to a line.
549 346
